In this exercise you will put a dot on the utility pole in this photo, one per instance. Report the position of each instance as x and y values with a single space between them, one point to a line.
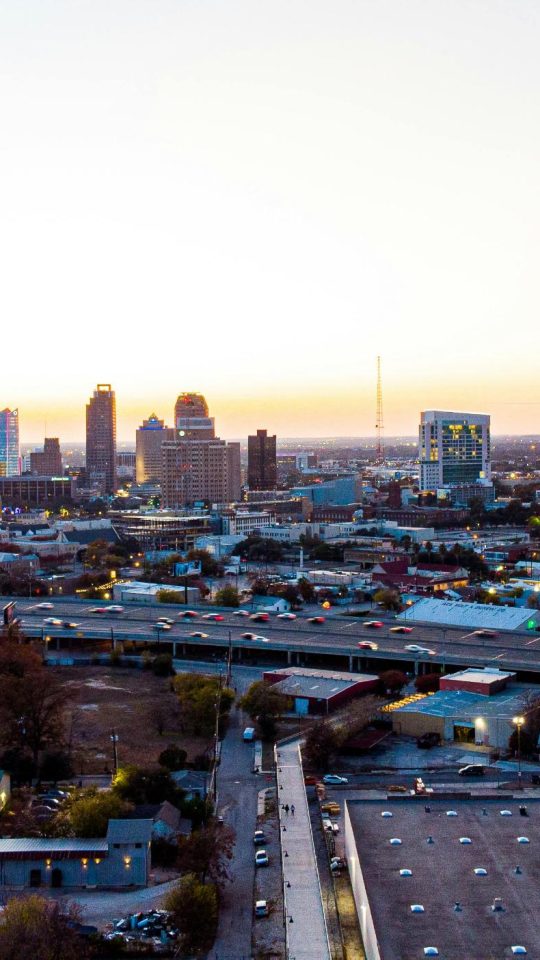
114 739
216 739
229 661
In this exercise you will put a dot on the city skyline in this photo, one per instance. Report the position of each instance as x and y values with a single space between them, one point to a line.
255 205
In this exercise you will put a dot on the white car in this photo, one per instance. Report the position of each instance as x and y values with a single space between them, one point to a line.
334 778
166 620
114 608
42 606
52 621
240 613
330 825
414 648
161 625
286 616
261 858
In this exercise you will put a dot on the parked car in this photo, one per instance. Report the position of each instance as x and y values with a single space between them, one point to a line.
401 629
261 858
259 837
472 770
261 908
373 624
368 645
333 778
428 740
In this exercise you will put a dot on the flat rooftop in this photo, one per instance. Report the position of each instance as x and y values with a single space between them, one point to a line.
459 613
457 703
317 684
487 676
443 874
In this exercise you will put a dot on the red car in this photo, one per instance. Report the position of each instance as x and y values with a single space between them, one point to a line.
188 613
260 617
315 619
374 624
401 629
213 616
367 645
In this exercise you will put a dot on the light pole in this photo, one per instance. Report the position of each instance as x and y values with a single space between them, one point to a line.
519 721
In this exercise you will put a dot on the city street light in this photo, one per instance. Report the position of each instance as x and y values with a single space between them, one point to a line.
519 721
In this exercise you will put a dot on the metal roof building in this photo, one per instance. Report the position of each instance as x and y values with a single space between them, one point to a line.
470 616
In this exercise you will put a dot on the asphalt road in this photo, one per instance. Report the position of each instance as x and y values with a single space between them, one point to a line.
336 636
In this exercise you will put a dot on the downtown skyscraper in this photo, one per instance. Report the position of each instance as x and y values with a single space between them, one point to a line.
101 438
10 461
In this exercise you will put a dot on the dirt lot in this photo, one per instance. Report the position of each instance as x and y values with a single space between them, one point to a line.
132 702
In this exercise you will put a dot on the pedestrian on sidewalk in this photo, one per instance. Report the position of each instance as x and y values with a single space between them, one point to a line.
292 809
286 808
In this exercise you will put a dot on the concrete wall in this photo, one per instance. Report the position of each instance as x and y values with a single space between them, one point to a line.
363 908
104 870
415 724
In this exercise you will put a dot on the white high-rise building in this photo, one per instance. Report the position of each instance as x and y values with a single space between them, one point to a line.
454 448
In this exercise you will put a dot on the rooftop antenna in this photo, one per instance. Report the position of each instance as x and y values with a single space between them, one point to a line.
379 416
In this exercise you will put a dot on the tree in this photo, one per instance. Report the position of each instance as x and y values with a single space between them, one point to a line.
427 683
142 785
32 703
209 565
89 812
228 596
194 908
289 593
306 590
321 745
262 698
173 757
33 928
521 743
393 681
96 553
198 698
170 596
388 600
207 852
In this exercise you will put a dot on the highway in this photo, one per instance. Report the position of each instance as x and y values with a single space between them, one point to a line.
295 641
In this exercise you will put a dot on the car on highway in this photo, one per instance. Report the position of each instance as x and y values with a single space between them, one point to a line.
42 606
260 617
52 621
190 614
261 858
286 616
240 613
333 778
368 645
161 625
114 608
414 648
401 629
472 770
248 635
199 633
317 620
69 625
213 616
485 633
97 610
168 620
373 624
259 837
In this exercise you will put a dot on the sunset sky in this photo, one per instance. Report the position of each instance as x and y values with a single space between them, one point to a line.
254 198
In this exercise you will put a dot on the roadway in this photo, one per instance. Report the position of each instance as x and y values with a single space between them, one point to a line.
296 640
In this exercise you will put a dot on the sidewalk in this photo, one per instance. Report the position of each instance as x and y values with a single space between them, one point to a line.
305 925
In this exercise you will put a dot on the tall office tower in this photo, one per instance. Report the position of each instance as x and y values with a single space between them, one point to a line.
454 448
191 418
101 438
47 462
199 470
148 440
10 461
262 462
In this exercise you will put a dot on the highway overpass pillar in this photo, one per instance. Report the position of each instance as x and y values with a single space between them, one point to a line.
289 657
351 663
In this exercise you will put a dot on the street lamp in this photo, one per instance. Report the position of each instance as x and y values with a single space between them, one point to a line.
519 721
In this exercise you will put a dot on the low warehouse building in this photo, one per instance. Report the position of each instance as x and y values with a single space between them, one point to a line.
121 859
320 691
470 616
453 879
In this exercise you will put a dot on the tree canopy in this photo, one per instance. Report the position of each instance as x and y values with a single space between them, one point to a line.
32 928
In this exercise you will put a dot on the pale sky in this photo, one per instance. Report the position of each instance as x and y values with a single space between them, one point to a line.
254 198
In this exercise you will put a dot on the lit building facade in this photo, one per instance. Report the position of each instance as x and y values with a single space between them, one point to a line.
199 470
191 418
454 448
262 462
10 461
148 441
101 438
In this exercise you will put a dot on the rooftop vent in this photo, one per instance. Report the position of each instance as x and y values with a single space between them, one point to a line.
405 872
395 842
506 813
457 907
431 952
517 870
497 905
518 950
480 871
523 812
430 840
417 908
465 840
387 813
451 813
523 840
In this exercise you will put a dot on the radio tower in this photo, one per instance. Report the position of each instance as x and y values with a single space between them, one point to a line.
379 416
